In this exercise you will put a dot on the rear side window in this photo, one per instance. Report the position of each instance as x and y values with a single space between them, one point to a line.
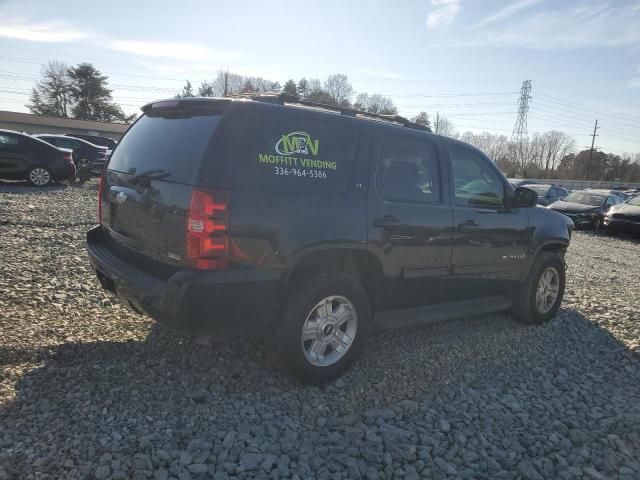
173 144
295 152
8 141
408 170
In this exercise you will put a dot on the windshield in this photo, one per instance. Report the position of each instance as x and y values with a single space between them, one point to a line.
585 198
174 145
634 201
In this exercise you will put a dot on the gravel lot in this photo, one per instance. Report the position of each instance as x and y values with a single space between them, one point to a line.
90 390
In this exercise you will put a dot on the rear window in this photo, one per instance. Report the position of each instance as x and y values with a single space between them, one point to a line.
175 145
295 152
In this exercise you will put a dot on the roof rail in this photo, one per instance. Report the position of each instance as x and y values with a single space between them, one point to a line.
283 98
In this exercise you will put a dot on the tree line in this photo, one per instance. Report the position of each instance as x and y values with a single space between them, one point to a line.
81 92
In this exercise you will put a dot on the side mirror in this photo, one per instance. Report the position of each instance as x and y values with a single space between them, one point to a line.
524 197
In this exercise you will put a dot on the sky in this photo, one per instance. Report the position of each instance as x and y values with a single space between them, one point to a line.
465 59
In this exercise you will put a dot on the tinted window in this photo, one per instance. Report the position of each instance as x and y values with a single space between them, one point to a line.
408 170
475 180
175 145
62 142
295 152
8 141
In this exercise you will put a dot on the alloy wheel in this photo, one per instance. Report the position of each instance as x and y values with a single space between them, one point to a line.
548 290
329 331
39 176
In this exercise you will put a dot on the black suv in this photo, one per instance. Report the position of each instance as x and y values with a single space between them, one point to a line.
251 217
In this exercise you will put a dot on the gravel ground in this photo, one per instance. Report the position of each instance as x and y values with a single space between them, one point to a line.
90 390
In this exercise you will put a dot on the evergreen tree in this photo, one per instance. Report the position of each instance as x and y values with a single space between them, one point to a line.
91 96
290 88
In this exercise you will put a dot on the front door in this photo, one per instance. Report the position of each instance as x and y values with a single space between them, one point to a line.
491 240
409 216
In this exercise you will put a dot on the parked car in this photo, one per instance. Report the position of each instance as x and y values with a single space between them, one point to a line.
252 217
110 143
85 154
624 217
618 193
587 207
25 157
547 194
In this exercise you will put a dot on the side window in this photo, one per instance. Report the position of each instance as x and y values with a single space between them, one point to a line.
408 170
476 182
8 142
63 143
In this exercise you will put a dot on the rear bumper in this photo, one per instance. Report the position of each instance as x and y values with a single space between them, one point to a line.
64 171
235 302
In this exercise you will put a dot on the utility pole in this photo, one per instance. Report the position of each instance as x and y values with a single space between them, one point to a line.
593 141
520 128
437 123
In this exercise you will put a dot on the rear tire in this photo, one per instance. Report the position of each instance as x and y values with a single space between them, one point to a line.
324 326
541 294
39 176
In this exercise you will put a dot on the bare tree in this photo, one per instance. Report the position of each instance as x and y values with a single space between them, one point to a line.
446 127
52 94
375 104
339 89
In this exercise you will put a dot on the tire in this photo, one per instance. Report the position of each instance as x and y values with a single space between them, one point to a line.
308 305
39 176
526 307
597 225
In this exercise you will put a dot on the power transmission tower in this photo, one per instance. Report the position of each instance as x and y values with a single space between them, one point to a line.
520 128
593 141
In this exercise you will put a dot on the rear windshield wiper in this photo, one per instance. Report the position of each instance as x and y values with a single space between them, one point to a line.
153 174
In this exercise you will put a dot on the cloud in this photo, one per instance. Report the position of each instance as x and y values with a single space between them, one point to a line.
378 73
50 32
445 12
183 51
634 82
587 25
506 12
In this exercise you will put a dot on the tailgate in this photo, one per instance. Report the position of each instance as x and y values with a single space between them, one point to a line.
148 185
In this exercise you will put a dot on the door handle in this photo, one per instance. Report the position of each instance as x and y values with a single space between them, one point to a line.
389 221
468 225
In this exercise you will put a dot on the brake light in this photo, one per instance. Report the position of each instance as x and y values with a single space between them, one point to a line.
68 157
207 230
100 191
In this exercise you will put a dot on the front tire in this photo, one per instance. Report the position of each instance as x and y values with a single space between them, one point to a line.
39 176
541 294
324 326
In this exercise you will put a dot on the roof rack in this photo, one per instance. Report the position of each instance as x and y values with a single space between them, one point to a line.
283 98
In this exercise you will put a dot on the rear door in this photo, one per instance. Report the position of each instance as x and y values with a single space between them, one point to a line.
13 155
410 218
491 240
150 177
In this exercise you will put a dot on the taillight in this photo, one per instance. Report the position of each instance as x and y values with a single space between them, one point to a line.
100 190
207 230
68 157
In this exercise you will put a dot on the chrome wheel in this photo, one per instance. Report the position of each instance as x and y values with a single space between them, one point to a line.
39 176
548 290
329 331
83 162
